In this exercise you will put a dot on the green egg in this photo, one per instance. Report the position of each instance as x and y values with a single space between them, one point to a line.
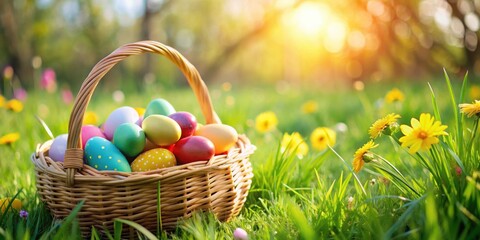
129 138
159 106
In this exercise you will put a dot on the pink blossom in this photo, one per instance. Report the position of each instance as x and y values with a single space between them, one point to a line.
20 94
8 72
240 234
67 96
49 80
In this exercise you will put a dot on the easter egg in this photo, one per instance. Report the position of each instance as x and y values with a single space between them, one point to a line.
103 155
89 131
117 117
192 149
222 136
161 130
58 147
186 121
129 138
153 159
14 204
159 106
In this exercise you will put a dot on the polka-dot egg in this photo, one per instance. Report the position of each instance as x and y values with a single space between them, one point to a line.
153 159
102 155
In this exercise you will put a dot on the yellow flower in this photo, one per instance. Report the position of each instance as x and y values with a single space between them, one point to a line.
361 156
14 105
381 124
14 204
422 134
470 109
323 137
475 92
266 122
90 118
394 95
294 144
140 111
9 138
309 107
2 101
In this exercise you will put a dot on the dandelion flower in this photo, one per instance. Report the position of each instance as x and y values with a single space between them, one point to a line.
2 101
394 95
470 109
294 144
90 118
14 105
15 204
422 134
362 155
266 122
9 138
475 92
323 137
381 124
309 107
140 111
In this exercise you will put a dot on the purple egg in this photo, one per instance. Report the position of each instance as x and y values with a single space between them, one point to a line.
89 131
58 147
139 121
117 117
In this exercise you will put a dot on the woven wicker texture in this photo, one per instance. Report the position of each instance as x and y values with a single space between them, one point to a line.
220 185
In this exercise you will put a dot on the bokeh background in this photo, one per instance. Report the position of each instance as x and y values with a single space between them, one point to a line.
332 42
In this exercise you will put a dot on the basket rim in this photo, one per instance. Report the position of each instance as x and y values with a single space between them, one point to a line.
43 163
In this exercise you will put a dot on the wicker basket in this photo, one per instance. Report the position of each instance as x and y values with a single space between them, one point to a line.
220 185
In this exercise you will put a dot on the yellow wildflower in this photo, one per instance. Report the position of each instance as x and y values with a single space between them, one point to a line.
9 138
140 111
422 134
381 124
394 95
362 155
323 137
14 105
2 101
470 109
14 204
266 122
90 118
309 107
475 92
294 144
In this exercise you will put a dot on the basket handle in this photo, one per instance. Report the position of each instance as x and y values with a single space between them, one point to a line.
74 153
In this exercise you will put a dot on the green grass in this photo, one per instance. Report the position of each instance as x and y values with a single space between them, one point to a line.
399 196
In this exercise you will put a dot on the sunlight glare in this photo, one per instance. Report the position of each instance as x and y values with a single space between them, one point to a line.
310 19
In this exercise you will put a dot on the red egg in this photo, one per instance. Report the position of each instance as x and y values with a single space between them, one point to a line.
192 149
187 122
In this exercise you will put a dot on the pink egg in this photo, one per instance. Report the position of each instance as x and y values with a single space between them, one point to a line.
89 131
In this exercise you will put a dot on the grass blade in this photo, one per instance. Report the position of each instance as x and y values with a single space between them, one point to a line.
139 228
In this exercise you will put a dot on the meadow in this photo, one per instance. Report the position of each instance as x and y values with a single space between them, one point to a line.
303 188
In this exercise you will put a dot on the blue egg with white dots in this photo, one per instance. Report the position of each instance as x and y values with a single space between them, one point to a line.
102 155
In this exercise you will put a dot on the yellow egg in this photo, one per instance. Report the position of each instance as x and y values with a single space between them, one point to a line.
153 159
222 136
16 204
161 130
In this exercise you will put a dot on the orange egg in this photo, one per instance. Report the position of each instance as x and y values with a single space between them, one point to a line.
222 136
16 204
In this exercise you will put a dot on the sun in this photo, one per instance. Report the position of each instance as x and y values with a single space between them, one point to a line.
310 19
318 22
